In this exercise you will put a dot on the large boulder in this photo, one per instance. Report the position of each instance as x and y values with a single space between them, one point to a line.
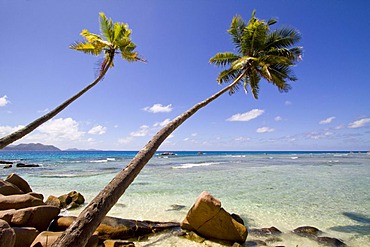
210 220
19 201
7 188
25 236
19 182
7 235
116 228
38 217
46 239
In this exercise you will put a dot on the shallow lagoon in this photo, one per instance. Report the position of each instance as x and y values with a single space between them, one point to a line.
328 190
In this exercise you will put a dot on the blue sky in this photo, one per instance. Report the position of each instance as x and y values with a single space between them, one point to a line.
328 108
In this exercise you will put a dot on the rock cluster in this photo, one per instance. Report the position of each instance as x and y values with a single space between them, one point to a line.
71 200
9 164
23 214
26 220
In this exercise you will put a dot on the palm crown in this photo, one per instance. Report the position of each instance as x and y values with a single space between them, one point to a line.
260 53
116 39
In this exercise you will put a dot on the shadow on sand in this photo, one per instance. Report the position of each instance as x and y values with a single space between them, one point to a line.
362 228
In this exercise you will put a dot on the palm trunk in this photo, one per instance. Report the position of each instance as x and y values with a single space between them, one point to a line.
89 219
5 141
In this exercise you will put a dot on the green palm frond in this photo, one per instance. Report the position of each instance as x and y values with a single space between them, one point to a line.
86 47
283 37
224 58
254 36
227 75
106 27
236 30
254 79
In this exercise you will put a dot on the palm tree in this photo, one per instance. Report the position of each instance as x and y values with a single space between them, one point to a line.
115 39
261 53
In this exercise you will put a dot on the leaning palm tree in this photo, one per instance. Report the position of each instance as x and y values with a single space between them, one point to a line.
261 53
115 38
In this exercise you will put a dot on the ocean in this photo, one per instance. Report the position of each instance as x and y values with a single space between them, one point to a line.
327 190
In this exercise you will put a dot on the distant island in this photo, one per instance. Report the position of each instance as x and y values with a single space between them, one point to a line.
31 147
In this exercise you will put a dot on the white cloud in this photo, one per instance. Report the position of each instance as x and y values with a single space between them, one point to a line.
326 121
163 123
359 123
247 116
156 108
278 118
143 131
194 134
4 101
288 102
98 130
6 130
60 128
265 130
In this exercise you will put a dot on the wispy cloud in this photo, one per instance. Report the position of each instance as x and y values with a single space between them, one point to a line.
265 130
278 118
359 123
97 130
317 136
288 102
163 123
158 108
327 120
143 131
4 101
247 116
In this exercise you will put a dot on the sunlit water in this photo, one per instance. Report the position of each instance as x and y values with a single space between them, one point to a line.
330 191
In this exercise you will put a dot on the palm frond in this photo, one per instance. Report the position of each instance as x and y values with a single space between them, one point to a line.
271 22
236 30
106 27
254 79
86 47
284 37
224 58
227 75
254 37
121 31
95 39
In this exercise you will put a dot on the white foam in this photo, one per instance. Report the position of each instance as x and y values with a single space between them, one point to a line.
191 165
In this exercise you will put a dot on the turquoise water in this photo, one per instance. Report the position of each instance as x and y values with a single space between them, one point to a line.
328 190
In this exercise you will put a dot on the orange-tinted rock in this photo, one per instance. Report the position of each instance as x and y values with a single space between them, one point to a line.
7 188
25 236
210 220
19 182
19 201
